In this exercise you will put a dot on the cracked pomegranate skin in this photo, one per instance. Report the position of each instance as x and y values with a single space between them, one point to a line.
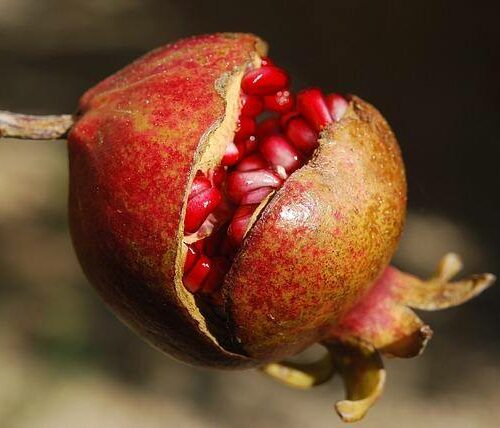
322 240
314 251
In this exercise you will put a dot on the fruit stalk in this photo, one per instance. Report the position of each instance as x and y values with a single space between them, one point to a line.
34 127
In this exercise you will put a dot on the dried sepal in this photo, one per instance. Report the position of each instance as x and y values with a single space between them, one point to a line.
357 362
438 292
301 375
363 375
384 318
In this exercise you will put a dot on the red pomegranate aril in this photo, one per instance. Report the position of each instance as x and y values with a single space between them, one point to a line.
247 146
199 245
241 182
337 105
191 257
287 117
231 156
222 212
239 224
279 152
213 242
256 196
220 266
312 105
217 176
193 279
251 163
264 81
300 133
244 128
269 126
266 61
199 207
280 102
200 184
251 105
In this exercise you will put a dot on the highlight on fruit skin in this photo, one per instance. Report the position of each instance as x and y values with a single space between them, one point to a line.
233 222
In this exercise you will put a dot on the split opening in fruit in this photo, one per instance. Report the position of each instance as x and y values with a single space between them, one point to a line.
276 133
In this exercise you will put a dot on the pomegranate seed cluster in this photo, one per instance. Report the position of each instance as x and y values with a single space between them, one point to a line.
276 134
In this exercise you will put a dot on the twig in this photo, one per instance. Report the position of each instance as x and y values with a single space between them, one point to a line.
15 125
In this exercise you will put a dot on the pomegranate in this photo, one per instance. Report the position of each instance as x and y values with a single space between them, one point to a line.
233 223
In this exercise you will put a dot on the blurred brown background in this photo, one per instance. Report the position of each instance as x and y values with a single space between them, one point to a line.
432 67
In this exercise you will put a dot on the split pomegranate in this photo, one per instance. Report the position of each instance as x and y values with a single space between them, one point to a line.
255 166
233 222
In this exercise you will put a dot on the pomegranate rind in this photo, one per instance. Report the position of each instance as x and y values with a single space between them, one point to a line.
132 156
321 241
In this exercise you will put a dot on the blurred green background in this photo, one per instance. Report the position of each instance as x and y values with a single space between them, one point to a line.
432 67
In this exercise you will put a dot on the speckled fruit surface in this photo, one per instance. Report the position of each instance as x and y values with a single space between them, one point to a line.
132 152
315 249
322 240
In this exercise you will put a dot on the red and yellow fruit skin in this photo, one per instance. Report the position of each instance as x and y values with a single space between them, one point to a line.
322 240
314 251
131 153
